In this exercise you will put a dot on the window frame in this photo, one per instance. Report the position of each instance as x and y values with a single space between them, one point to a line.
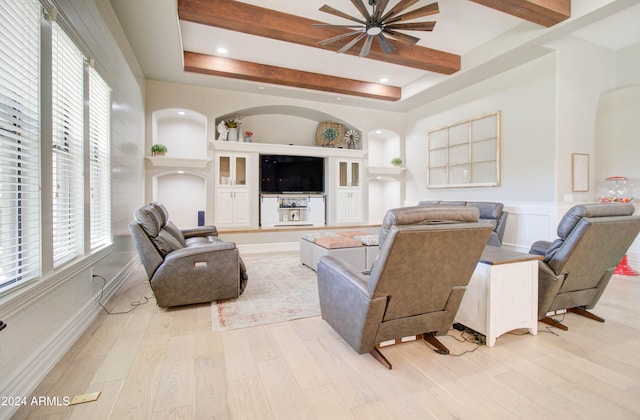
50 271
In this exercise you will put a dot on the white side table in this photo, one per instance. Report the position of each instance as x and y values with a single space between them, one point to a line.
502 294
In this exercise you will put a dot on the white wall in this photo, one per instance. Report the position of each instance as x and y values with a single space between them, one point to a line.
183 194
628 66
46 317
281 129
551 108
584 72
183 137
526 97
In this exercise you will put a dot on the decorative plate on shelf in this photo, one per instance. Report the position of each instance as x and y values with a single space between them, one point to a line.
329 134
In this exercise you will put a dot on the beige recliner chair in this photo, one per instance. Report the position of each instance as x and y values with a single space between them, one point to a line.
185 266
592 239
427 256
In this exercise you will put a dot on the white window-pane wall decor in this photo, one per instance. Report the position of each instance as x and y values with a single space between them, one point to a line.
465 153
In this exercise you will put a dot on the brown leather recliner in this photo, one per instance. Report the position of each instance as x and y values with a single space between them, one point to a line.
427 256
592 239
185 266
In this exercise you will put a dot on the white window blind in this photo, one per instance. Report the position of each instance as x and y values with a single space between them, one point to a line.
67 153
19 142
99 158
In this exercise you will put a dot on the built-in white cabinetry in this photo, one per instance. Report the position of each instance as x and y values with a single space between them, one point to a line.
292 210
232 200
349 191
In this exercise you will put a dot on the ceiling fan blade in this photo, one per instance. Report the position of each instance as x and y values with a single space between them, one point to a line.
407 39
362 9
387 48
428 10
338 38
351 43
366 47
331 25
417 26
379 9
398 8
328 9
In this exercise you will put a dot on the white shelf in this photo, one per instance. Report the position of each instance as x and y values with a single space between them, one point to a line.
386 170
169 162
286 149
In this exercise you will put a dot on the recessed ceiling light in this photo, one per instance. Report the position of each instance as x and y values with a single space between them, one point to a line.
261 87
384 79
180 112
338 98
180 172
222 50
378 131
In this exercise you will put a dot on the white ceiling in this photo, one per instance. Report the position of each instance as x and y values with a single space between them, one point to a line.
475 32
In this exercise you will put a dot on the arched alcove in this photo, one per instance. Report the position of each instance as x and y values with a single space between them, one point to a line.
383 145
385 181
284 124
183 131
184 194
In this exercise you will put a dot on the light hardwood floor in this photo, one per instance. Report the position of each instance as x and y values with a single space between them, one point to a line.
157 363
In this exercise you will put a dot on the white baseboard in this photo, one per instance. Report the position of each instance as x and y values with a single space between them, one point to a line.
32 372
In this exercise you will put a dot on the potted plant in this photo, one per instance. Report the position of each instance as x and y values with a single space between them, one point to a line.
232 127
396 161
158 150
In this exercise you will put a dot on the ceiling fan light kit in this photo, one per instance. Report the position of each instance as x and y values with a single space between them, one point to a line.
379 25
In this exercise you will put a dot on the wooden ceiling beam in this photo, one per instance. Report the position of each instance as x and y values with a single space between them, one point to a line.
259 21
237 69
543 12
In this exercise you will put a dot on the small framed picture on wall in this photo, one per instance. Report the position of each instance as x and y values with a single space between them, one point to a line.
579 172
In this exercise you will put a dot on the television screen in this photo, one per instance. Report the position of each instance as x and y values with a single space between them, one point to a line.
291 174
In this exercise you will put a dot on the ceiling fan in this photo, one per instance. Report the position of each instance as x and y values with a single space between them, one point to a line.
379 24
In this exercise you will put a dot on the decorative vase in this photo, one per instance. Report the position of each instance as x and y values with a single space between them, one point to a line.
232 135
247 139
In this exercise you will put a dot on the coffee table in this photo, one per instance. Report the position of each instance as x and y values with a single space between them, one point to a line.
502 294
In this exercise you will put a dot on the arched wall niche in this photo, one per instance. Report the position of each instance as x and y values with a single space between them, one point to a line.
184 193
383 145
385 182
183 131
284 124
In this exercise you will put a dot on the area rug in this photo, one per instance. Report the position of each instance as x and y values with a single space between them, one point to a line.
280 289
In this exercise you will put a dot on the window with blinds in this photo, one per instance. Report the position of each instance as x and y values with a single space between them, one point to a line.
99 146
19 142
67 147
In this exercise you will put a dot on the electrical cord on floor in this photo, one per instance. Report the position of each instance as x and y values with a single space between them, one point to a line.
134 304
472 337
547 328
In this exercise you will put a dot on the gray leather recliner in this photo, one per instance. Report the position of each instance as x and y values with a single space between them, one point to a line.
592 239
185 266
427 256
490 212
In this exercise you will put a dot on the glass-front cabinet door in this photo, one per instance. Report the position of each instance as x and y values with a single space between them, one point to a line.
348 173
232 170
240 173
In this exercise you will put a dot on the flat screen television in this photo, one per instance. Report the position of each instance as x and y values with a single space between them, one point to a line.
281 174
